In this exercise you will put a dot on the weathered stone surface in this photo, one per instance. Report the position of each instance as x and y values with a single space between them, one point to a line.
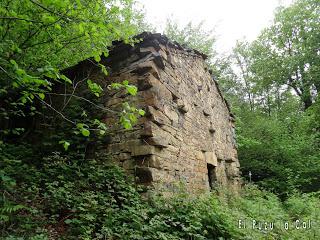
199 155
171 114
187 133
150 161
158 141
147 67
128 164
124 156
147 82
182 106
150 98
142 150
157 116
151 129
206 112
211 158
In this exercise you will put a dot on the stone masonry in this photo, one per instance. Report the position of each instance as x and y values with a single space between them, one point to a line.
187 134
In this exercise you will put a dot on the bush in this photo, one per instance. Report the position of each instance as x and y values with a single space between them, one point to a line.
281 153
68 197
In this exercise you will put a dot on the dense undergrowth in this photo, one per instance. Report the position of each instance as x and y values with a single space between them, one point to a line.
66 197
282 150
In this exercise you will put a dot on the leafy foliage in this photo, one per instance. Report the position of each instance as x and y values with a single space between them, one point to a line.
41 38
38 38
274 97
191 35
282 154
67 197
287 53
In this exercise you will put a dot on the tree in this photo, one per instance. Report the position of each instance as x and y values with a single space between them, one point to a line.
287 53
242 58
41 38
276 73
191 35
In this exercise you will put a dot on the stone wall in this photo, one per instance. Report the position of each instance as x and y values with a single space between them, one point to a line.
187 134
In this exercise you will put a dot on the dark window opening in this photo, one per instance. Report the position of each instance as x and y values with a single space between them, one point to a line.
212 175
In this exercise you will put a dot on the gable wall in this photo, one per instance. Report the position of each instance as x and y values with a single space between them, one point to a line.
187 125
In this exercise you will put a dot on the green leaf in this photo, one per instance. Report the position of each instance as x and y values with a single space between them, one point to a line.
57 26
127 124
20 72
66 79
46 18
103 69
85 132
80 125
15 84
141 112
84 114
41 95
68 221
13 62
116 85
96 121
132 90
132 118
97 57
125 82
65 144
95 88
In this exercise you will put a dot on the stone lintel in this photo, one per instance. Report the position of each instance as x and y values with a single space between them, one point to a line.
211 158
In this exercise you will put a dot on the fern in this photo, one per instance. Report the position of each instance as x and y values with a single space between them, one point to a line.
11 208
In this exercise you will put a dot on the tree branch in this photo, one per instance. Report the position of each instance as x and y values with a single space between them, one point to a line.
55 110
48 10
20 19
84 99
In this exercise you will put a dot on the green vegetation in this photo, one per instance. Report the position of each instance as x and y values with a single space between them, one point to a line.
56 184
192 35
68 197
276 99
41 38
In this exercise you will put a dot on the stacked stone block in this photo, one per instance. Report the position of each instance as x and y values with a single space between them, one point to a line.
187 134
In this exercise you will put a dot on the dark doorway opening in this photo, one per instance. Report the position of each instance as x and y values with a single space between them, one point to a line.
211 175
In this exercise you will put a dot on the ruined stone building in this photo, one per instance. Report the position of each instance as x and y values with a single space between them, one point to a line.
187 134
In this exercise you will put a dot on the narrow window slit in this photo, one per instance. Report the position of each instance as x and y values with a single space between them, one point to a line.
212 178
